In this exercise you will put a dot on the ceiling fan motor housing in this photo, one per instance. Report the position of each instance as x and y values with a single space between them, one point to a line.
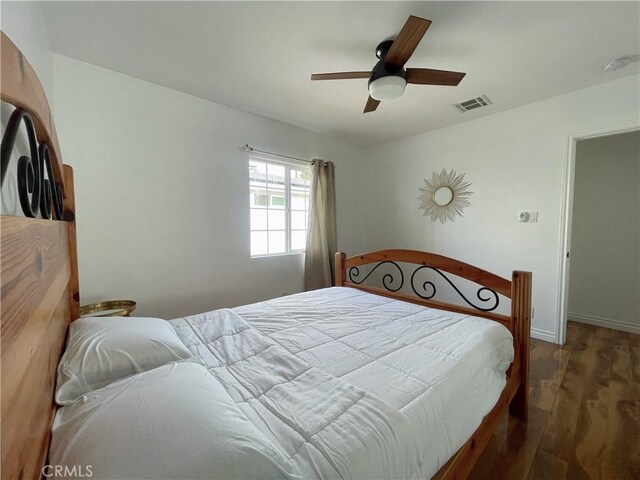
383 48
386 81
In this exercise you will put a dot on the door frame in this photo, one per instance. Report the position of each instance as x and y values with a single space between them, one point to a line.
566 218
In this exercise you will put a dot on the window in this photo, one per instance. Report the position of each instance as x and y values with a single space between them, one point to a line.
279 205
260 199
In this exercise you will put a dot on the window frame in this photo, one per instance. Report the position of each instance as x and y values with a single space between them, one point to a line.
288 166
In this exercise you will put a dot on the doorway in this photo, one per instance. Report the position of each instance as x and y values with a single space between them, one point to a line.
601 255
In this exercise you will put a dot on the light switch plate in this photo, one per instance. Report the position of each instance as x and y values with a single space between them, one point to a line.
527 216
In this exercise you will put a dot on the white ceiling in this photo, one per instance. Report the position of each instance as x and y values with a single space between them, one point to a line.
258 56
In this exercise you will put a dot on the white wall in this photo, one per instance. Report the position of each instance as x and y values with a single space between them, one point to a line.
162 193
604 288
516 160
23 23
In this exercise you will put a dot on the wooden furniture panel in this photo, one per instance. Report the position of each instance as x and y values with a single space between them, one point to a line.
35 313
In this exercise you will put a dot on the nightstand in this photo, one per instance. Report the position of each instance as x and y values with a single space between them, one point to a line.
111 308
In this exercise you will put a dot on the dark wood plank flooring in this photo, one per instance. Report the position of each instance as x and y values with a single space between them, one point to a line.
584 413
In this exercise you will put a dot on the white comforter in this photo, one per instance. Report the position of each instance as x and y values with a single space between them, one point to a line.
353 385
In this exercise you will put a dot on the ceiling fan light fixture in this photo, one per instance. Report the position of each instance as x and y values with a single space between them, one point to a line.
387 88
389 78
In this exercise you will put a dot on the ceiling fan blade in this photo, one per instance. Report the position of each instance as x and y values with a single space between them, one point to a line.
371 105
428 76
407 41
340 75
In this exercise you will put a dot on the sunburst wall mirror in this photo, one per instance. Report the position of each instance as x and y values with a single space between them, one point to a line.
445 196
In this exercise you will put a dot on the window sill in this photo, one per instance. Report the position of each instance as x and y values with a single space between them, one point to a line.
271 255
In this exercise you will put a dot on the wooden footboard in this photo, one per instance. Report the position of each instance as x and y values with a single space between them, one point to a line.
515 394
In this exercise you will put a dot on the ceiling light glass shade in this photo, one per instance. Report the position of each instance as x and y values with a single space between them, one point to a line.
387 88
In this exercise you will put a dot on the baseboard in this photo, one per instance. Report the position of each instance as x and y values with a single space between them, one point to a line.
604 322
543 335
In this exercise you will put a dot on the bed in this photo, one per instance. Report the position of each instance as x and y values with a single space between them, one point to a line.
347 350
316 373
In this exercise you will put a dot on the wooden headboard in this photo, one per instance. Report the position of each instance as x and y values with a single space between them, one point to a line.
39 270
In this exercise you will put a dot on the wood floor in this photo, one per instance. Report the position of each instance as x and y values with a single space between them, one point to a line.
584 413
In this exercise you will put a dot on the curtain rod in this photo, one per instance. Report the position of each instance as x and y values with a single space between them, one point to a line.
248 148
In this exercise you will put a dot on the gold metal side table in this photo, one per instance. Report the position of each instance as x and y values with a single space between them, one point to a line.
111 308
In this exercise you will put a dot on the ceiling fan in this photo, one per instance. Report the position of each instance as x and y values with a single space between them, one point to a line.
389 78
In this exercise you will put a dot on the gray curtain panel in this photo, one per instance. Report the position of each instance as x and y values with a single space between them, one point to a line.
321 233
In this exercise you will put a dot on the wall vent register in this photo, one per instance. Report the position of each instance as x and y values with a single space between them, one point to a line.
472 104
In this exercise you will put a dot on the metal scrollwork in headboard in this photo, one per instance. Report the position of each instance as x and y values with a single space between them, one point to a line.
387 280
427 290
36 192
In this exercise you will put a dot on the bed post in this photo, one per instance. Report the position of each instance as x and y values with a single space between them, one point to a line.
70 218
521 330
340 273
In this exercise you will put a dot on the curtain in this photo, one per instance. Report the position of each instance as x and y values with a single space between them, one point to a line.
321 233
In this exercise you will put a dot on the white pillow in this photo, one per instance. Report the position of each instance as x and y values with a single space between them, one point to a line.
176 421
103 349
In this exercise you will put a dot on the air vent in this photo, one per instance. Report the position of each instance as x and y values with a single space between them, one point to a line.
472 104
